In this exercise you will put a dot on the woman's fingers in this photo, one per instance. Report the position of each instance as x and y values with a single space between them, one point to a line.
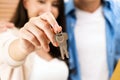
27 35
51 20
47 29
40 31
48 24
39 35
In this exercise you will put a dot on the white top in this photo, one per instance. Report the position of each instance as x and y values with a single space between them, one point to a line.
91 45
49 70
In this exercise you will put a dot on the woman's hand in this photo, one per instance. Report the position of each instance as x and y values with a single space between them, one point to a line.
4 25
36 34
39 32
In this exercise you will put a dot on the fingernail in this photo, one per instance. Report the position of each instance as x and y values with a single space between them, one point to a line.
60 28
55 44
56 28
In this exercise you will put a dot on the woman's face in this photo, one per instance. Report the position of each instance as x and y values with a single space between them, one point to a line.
37 7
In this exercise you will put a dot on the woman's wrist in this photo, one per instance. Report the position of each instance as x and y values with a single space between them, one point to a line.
17 51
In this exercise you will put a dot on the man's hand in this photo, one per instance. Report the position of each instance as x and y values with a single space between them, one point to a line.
4 25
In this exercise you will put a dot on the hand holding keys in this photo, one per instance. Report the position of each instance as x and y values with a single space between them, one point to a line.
61 38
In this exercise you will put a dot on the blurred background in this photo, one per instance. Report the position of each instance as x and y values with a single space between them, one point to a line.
7 8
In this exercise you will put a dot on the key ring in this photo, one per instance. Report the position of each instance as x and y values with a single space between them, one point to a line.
59 38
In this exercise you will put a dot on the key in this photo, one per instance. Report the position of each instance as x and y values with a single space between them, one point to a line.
61 38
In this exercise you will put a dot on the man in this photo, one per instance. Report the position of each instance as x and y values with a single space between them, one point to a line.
93 28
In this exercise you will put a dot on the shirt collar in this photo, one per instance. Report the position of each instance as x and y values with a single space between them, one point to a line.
108 3
70 7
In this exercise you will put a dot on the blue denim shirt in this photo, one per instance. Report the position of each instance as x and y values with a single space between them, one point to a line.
111 11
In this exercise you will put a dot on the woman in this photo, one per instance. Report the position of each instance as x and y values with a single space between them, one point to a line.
34 54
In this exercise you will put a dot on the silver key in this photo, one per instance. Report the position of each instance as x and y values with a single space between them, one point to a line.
61 38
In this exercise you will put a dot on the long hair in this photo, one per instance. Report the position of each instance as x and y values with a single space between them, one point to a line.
21 17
